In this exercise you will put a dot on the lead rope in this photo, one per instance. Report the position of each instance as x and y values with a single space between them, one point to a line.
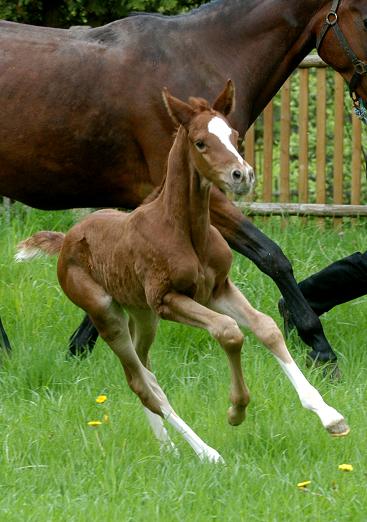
360 111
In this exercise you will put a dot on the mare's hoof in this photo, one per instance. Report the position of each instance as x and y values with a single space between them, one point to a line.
339 429
332 371
236 415
329 369
289 325
77 353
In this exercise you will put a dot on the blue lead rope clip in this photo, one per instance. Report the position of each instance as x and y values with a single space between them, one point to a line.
361 111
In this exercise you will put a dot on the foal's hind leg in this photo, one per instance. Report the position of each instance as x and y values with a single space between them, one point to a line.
142 327
232 302
113 327
142 341
180 308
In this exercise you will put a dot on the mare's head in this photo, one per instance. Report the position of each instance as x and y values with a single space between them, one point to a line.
211 140
341 39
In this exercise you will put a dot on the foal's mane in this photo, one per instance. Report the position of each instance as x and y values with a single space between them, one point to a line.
154 194
199 105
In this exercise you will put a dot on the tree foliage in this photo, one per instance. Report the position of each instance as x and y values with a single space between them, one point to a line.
64 13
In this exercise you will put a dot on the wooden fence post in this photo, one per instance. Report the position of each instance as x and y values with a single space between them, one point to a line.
313 163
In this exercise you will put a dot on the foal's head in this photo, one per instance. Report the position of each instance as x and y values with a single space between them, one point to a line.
212 141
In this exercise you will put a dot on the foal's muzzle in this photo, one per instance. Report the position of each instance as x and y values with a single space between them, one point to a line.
242 179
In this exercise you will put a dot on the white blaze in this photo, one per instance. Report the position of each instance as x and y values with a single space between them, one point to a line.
219 128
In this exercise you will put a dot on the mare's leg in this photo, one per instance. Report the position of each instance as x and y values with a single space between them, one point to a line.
341 281
113 326
182 309
4 341
142 327
230 301
245 238
83 339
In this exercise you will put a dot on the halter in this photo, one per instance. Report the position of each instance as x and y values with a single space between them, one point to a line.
360 67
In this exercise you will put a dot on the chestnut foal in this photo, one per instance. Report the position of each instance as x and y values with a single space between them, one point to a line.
165 260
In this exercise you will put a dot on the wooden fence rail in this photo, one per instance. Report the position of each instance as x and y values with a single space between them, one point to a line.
306 147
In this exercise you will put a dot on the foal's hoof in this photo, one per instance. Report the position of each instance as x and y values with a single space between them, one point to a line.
339 429
289 325
236 415
211 455
167 447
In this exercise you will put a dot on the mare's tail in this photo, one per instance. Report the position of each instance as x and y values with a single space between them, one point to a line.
44 242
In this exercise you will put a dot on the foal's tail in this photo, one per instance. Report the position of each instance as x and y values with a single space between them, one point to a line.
44 242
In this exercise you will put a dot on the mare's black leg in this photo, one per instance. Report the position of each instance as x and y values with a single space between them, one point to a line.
245 238
83 339
341 281
4 341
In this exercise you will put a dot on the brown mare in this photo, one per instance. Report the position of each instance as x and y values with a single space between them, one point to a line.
165 260
72 132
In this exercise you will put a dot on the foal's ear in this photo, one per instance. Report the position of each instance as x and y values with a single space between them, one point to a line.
180 112
226 100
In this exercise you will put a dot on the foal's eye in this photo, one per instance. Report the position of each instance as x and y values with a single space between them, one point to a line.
200 145
365 23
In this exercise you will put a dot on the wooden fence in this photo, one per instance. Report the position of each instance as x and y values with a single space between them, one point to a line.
306 148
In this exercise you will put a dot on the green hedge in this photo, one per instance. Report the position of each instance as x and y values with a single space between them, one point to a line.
58 13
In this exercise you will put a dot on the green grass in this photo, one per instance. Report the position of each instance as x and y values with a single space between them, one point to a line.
53 467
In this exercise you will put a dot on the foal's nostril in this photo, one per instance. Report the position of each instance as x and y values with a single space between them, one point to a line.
237 175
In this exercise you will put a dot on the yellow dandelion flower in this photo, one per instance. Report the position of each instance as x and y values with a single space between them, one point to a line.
101 399
106 418
94 424
345 467
303 484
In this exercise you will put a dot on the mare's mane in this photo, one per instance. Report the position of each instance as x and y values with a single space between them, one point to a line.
192 11
197 10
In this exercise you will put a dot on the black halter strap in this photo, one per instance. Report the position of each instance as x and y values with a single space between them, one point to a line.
360 67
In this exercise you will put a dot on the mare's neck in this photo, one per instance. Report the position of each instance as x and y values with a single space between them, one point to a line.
258 43
185 197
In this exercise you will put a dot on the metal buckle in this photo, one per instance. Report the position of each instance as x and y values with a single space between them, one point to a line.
331 18
360 67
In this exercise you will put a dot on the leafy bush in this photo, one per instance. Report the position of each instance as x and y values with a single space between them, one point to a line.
58 13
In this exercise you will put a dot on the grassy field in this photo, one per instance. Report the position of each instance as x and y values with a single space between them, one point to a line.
54 467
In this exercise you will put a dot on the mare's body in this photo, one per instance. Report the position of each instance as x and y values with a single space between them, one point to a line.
165 260
72 102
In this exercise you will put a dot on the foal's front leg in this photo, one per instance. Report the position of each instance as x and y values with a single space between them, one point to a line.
182 309
232 302
249 241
